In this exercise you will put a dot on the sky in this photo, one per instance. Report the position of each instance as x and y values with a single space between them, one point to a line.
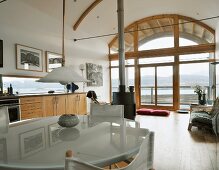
185 69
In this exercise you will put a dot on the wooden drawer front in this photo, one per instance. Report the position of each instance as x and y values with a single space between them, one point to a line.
28 114
34 106
30 100
82 104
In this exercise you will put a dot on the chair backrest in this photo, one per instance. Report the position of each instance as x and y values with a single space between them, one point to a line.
106 110
72 163
4 119
144 158
142 161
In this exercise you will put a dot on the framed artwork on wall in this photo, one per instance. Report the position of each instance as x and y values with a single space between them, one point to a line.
94 74
29 58
53 60
32 142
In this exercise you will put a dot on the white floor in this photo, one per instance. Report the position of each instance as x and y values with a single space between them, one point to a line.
178 149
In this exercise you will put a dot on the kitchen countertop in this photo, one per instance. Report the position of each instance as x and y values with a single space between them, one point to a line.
35 94
8 97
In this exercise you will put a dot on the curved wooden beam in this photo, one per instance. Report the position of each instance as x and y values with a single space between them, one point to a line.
85 13
157 17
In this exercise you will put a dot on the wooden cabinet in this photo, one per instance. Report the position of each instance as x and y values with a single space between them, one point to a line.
72 104
49 105
53 105
76 104
31 107
82 104
61 104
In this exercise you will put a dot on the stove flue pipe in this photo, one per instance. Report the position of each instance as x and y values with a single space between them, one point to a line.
120 12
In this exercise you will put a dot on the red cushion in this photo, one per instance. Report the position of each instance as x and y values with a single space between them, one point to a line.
144 111
161 112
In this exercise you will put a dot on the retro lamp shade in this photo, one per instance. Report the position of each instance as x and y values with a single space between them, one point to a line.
63 75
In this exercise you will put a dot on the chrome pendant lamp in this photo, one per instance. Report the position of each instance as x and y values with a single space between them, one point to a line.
63 75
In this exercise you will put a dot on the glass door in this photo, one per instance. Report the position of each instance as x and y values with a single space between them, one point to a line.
165 86
147 87
192 74
157 86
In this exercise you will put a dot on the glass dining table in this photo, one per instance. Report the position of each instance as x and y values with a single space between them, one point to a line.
43 143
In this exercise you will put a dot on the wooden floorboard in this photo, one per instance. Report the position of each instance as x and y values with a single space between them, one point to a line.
176 148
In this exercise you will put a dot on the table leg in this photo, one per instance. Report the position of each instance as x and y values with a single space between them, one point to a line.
190 126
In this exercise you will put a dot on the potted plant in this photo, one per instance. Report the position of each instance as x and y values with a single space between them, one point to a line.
200 91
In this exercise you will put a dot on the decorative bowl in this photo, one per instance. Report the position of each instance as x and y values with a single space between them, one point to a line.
68 120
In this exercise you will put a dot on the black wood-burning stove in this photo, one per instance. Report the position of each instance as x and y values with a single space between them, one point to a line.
127 99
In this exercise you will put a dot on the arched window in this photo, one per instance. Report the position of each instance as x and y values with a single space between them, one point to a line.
168 53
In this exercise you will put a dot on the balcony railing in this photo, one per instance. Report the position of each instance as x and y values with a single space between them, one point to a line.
165 95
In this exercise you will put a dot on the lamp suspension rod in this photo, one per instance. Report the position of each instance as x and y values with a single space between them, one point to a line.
151 28
2 1
120 12
63 34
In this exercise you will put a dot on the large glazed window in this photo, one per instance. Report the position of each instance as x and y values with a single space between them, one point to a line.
164 47
24 85
129 74
190 75
164 42
194 31
155 31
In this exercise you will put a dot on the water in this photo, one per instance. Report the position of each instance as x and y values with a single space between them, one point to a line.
163 91
167 92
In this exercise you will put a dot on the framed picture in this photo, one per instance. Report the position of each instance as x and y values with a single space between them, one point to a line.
53 60
3 151
29 58
32 142
94 74
54 130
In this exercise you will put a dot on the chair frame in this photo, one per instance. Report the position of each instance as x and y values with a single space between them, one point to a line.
87 166
4 117
103 108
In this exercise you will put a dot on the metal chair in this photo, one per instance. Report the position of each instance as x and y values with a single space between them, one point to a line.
4 119
140 162
107 110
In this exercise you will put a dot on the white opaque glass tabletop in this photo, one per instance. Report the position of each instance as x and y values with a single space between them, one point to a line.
42 142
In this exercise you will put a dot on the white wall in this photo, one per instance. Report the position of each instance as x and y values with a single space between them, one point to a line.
9 64
22 24
217 57
217 40
217 82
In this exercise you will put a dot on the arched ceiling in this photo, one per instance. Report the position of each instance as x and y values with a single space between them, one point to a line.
43 17
103 18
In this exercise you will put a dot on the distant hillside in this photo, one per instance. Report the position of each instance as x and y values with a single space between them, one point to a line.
185 80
